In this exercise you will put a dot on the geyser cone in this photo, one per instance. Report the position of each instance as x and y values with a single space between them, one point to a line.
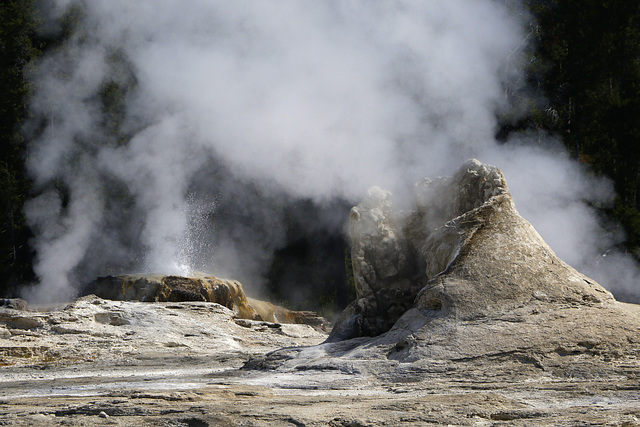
473 280
495 259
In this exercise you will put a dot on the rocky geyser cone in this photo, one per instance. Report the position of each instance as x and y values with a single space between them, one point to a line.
463 287
465 276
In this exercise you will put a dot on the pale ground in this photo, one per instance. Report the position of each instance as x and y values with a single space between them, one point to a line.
99 362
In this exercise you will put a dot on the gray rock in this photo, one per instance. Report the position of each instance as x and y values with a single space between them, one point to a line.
14 303
463 275
4 332
386 269
499 331
19 320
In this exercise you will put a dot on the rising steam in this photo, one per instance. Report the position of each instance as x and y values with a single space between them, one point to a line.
152 110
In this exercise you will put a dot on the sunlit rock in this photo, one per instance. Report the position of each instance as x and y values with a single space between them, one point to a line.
474 280
488 326
482 293
228 293
395 254
114 333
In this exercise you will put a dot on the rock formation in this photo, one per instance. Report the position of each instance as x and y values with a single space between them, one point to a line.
465 246
386 268
464 276
228 293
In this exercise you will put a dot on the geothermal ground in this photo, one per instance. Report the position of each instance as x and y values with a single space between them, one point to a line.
100 362
464 316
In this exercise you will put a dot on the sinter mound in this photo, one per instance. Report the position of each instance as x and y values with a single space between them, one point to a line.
198 287
463 276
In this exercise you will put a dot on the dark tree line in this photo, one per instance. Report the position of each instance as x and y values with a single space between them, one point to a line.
18 49
583 85
585 73
21 45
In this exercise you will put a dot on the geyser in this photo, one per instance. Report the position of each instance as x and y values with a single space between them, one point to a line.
257 105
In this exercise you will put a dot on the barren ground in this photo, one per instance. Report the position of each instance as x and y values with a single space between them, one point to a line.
99 362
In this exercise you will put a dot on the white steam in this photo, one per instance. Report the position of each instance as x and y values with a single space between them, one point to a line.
256 103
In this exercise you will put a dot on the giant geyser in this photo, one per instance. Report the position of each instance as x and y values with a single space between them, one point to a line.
168 136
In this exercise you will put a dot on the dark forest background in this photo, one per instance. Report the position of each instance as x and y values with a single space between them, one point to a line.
583 86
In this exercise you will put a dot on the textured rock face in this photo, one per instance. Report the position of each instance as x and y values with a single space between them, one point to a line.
228 293
496 301
463 252
110 332
487 259
158 288
385 268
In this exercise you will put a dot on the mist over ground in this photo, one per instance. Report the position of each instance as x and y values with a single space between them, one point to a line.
172 136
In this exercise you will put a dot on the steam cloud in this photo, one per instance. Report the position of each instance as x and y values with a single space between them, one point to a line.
232 109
